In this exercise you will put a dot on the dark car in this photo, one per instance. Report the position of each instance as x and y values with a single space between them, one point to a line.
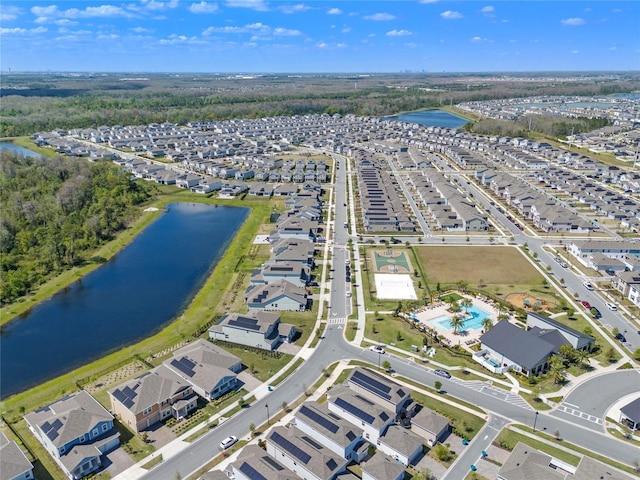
348 278
595 313
621 337
442 373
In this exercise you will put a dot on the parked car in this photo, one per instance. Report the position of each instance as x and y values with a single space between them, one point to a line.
563 265
347 278
595 312
587 285
621 337
228 442
611 306
610 272
377 349
442 373
586 305
348 294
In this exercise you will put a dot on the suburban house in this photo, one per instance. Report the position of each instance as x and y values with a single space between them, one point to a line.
401 444
371 417
525 462
14 464
257 329
578 340
303 455
293 250
296 273
280 295
430 425
76 431
507 347
254 463
382 467
583 249
152 397
210 370
331 430
379 389
630 414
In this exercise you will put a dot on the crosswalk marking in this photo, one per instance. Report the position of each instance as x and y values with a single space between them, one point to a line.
577 413
498 393
337 321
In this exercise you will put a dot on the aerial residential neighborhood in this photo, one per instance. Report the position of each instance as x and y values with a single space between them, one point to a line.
418 302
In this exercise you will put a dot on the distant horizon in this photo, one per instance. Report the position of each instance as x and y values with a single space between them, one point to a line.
296 73
430 36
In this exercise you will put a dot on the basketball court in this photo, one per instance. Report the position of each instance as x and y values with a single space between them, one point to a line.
389 261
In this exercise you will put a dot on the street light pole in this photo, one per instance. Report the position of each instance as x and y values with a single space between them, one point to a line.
535 419
269 420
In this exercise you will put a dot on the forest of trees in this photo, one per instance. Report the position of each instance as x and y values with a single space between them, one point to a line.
54 212
559 127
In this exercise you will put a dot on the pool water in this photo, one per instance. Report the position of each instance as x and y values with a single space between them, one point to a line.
473 321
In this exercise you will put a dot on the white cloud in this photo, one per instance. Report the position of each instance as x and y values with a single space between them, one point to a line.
152 6
479 39
258 5
7 17
380 17
22 31
428 1
9 13
321 45
411 45
451 15
575 51
204 7
572 22
617 10
285 32
611 49
399 33
341 45
181 40
300 7
141 30
53 13
488 11
346 29
334 11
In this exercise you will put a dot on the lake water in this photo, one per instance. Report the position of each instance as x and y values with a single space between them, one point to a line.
12 147
431 118
132 296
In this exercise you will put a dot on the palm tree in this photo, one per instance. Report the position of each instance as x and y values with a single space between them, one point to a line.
456 323
455 307
487 324
582 355
556 368
466 303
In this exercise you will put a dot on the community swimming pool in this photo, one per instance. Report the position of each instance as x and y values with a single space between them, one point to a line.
473 321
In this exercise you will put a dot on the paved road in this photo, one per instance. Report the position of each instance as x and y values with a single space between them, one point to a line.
587 404
502 406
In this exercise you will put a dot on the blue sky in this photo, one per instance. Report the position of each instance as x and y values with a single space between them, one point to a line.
319 36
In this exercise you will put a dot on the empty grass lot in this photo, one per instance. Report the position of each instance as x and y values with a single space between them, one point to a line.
504 267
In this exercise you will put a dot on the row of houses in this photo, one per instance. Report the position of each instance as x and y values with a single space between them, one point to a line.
367 413
619 259
383 208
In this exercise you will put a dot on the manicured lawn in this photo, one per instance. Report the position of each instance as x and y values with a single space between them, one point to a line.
508 439
464 423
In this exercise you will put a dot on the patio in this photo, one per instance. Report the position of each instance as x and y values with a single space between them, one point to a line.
465 337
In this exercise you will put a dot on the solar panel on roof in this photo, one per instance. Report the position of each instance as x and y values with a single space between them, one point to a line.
243 322
272 463
184 365
331 464
384 416
361 414
371 384
319 419
312 442
304 457
251 472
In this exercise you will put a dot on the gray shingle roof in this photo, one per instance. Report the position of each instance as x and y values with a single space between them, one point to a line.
13 461
516 344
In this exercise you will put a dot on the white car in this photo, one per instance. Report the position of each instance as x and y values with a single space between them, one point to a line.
611 306
377 349
348 294
228 442
587 285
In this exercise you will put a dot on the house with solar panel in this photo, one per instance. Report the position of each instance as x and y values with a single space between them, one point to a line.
152 397
255 464
379 389
254 329
76 431
296 273
211 370
14 464
339 435
304 455
281 296
371 417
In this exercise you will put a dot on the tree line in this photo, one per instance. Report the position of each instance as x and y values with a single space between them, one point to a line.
54 212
